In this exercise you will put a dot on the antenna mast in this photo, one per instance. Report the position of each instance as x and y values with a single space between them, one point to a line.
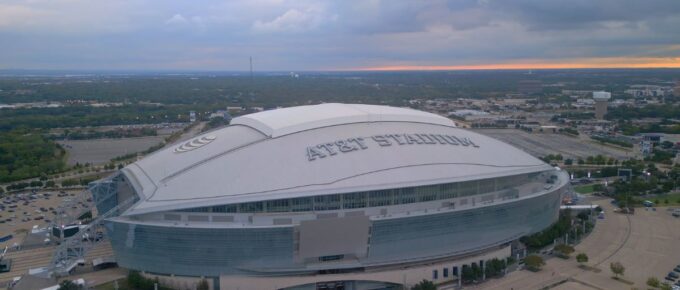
251 67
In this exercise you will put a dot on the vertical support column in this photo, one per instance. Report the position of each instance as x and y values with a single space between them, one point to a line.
482 263
460 276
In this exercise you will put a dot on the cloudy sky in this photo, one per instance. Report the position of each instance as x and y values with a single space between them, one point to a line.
337 35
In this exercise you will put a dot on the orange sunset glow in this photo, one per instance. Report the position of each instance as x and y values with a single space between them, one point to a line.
582 63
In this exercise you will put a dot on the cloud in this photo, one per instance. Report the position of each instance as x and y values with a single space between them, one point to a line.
15 16
309 34
176 19
294 20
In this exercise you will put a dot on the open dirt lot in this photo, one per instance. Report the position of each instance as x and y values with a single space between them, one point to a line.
100 151
541 144
646 244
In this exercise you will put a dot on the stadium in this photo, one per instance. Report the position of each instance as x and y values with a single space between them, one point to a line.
330 196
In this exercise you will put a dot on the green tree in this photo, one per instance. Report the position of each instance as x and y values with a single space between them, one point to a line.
617 268
564 250
582 258
534 262
467 274
653 282
665 286
68 285
424 285
494 267
203 285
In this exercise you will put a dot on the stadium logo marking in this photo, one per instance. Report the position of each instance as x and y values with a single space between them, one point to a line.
324 150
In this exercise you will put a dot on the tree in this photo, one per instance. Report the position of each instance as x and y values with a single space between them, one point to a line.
582 258
653 282
476 271
564 250
494 267
617 268
534 262
467 274
68 285
424 285
665 286
203 285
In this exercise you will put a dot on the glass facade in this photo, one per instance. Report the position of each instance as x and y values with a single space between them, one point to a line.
458 232
266 251
385 197
200 251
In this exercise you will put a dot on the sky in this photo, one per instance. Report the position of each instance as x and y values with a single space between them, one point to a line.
301 35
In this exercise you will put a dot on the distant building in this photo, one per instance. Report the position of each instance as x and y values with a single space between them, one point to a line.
653 138
583 103
577 93
601 100
642 91
235 109
221 114
192 116
467 113
646 148
676 90
530 87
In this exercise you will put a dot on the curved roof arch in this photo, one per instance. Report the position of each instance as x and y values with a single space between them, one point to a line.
276 123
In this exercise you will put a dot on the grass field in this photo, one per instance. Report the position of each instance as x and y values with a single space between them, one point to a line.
122 285
585 189
673 199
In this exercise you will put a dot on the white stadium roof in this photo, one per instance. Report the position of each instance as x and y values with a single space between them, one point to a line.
316 150
276 123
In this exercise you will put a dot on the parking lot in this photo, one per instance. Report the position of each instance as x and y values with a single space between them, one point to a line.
100 151
541 144
19 213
